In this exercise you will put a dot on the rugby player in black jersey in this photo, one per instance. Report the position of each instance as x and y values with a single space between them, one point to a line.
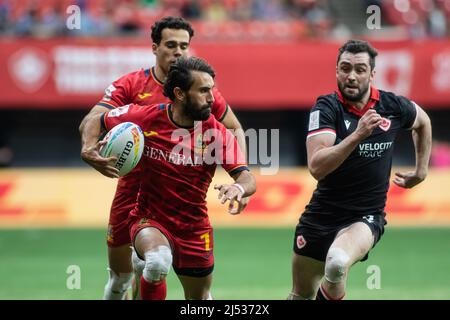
350 145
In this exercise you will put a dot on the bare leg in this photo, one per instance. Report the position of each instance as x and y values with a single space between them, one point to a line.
306 276
350 245
138 268
120 272
120 259
196 288
149 239
154 247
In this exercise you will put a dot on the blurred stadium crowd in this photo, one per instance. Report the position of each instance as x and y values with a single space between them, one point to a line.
219 18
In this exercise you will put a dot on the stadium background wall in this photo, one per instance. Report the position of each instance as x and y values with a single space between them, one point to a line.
80 198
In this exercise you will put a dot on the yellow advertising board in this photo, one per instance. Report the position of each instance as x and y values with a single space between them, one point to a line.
32 198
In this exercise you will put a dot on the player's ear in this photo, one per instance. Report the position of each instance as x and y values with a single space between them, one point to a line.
154 47
179 94
372 75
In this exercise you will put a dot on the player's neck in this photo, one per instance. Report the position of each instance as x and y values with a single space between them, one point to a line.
160 74
179 117
363 102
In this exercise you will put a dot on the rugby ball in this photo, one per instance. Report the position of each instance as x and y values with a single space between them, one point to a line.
125 142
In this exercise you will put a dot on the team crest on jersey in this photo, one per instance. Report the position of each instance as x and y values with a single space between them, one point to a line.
200 146
108 92
385 124
301 242
118 111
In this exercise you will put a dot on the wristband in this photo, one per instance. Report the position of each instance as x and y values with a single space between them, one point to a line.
237 185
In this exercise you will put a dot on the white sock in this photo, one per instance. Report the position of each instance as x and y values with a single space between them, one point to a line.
138 267
117 285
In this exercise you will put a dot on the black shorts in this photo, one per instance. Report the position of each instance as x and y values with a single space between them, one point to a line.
314 239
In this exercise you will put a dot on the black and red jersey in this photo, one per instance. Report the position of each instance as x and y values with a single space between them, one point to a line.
360 184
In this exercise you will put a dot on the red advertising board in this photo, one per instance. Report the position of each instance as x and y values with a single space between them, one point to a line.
31 198
72 73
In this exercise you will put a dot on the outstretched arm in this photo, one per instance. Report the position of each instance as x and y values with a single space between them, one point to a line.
422 136
244 186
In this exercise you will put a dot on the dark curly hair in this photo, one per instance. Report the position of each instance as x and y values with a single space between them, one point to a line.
180 74
170 23
357 46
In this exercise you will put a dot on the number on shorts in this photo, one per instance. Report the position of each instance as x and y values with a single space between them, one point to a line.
206 237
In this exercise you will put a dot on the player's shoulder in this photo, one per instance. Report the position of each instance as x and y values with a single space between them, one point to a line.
212 122
136 75
388 95
147 110
327 102
392 100
156 108
327 99
216 128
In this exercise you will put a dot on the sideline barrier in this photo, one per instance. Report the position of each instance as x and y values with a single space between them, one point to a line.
31 198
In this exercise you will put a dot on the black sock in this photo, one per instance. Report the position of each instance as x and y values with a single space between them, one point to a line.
320 295
323 295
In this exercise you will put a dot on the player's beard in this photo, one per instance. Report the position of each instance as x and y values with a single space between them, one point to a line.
362 90
197 112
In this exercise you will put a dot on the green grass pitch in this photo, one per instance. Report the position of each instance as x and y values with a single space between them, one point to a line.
250 264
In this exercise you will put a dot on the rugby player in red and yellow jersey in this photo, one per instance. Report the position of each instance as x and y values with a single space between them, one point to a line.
169 225
171 38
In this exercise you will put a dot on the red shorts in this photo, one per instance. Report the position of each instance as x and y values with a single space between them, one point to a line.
118 228
190 249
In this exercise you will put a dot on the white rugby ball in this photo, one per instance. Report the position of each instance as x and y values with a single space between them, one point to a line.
125 142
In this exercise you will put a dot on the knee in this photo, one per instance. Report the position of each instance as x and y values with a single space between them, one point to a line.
336 265
157 264
138 263
117 284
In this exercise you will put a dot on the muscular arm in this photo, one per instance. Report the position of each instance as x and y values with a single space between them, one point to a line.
231 122
422 137
324 157
421 133
90 131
